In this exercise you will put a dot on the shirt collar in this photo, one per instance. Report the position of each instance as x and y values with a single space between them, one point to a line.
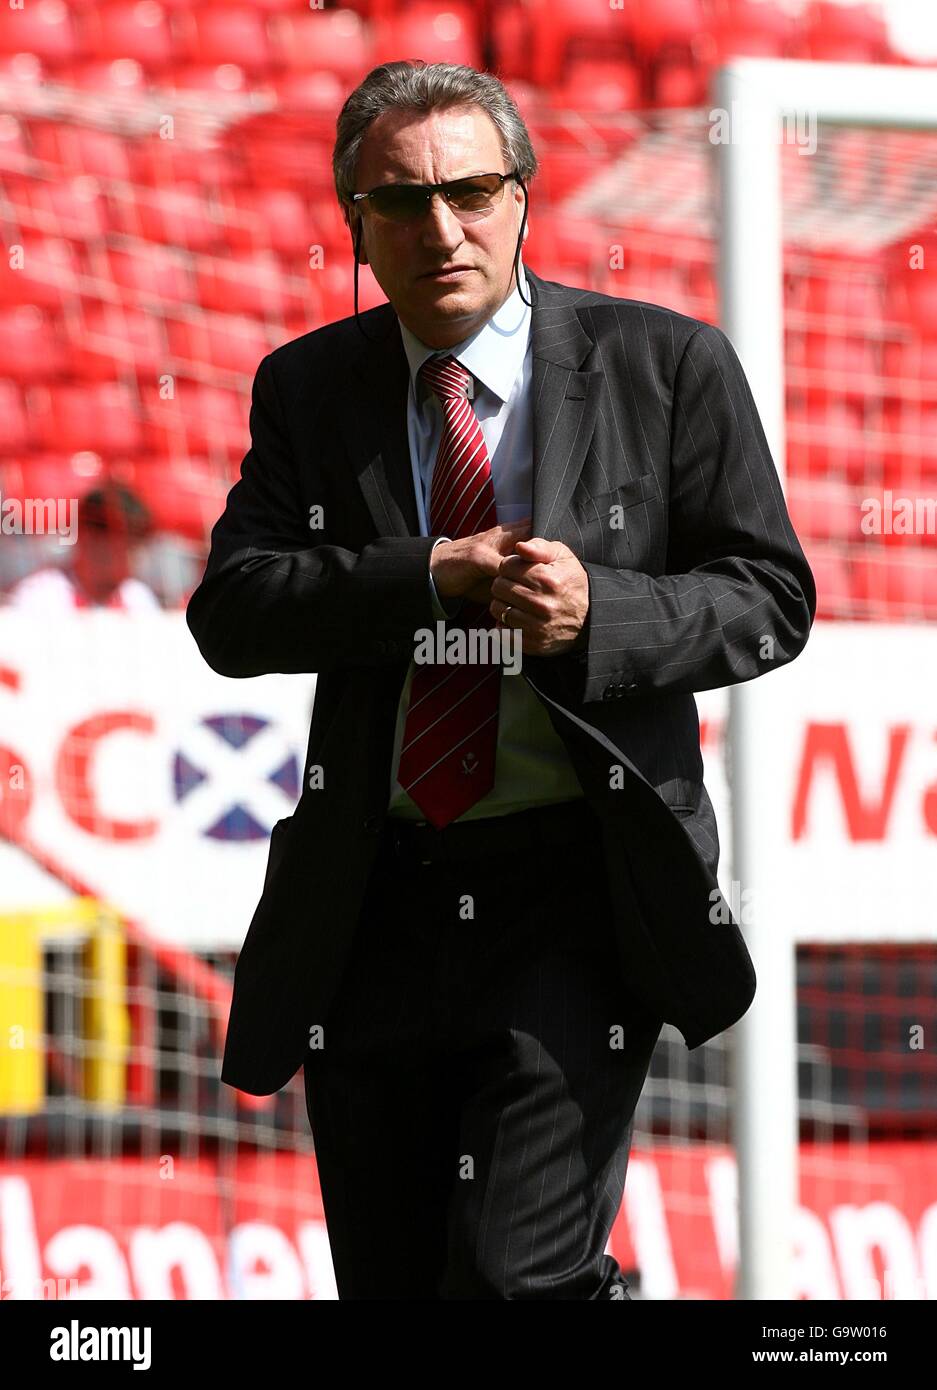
493 354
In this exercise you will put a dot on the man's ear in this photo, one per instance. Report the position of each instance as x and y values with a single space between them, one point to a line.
522 204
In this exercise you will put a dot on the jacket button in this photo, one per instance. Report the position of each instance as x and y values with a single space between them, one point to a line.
372 824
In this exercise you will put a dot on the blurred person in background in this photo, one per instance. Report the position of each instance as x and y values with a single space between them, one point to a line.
113 522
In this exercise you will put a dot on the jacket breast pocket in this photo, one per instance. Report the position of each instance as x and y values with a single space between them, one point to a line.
603 508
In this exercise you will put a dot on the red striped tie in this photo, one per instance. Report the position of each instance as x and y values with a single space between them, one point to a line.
447 757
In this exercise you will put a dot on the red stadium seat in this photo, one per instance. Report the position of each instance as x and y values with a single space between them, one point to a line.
909 443
83 148
594 85
44 273
127 29
831 572
310 91
560 32
286 150
101 416
336 282
550 270
437 33
677 82
273 218
183 495
14 150
913 510
283 220
108 339
668 25
828 439
172 7
30 344
561 172
217 343
669 287
50 475
288 125
180 506
178 216
326 40
830 367
295 325
117 79
509 34
845 33
750 28
165 163
825 509
910 367
704 292
847 293
325 227
44 28
151 274
14 427
274 6
214 79
889 585
576 243
196 419
73 208
223 34
912 295
21 71
245 282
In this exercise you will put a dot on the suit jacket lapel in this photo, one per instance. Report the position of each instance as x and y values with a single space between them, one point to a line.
565 405
373 417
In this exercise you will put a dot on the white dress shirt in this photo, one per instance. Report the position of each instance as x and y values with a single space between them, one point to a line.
532 766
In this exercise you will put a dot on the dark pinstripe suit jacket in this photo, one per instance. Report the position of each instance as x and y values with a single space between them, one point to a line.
704 584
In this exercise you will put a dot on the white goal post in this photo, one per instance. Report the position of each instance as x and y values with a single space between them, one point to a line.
760 98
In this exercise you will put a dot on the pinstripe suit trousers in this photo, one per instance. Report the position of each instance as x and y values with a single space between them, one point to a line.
471 1113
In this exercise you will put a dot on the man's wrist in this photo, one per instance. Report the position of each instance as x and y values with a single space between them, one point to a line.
443 606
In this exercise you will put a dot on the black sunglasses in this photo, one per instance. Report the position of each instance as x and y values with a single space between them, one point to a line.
469 198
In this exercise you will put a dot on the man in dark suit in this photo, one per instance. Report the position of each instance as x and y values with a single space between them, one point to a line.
497 884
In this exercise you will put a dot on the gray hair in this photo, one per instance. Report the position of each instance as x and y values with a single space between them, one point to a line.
418 86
